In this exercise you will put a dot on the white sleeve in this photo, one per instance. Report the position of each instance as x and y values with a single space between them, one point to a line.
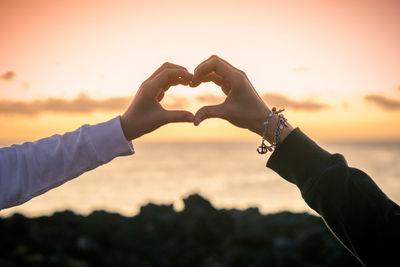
33 168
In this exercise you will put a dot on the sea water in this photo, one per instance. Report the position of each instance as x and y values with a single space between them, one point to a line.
230 175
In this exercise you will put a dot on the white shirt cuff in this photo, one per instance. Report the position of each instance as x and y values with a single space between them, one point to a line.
109 141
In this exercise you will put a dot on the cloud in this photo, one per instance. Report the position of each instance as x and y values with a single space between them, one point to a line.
271 99
281 101
8 76
210 98
81 104
174 102
383 102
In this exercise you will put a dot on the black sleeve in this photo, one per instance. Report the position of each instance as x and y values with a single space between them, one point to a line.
353 207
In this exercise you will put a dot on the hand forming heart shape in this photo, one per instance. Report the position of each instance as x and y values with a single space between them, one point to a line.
242 107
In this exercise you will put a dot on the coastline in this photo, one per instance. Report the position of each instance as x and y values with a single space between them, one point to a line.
199 235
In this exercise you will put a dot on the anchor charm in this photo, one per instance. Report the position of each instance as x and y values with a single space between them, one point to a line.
263 149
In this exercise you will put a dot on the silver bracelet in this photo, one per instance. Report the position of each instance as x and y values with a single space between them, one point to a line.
263 148
281 123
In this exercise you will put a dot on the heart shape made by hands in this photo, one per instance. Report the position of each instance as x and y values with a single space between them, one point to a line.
242 107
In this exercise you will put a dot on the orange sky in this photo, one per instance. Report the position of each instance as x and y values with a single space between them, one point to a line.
342 57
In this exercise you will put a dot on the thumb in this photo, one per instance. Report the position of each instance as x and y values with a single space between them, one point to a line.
178 116
206 112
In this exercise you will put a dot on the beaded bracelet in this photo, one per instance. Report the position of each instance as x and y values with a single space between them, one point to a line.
263 148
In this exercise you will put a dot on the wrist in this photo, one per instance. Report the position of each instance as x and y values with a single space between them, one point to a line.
270 132
258 126
125 128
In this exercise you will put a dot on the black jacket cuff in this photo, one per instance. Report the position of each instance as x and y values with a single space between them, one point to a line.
298 159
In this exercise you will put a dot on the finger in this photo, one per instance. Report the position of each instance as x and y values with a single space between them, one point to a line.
166 76
213 64
161 91
212 77
160 95
218 80
165 66
178 116
177 81
215 111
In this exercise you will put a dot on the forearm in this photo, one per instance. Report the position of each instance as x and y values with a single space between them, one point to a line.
362 217
31 169
346 198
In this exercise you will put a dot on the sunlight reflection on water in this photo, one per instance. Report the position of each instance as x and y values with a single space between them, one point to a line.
230 175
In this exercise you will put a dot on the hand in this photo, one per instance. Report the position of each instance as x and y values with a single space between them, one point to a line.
145 114
242 107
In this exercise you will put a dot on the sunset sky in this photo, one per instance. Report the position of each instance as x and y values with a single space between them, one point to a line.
334 65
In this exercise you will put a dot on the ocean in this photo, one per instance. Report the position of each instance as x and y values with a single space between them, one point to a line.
230 175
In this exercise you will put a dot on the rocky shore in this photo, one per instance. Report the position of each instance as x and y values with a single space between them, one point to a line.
199 235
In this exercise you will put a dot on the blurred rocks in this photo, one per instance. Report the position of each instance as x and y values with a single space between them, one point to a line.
199 235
